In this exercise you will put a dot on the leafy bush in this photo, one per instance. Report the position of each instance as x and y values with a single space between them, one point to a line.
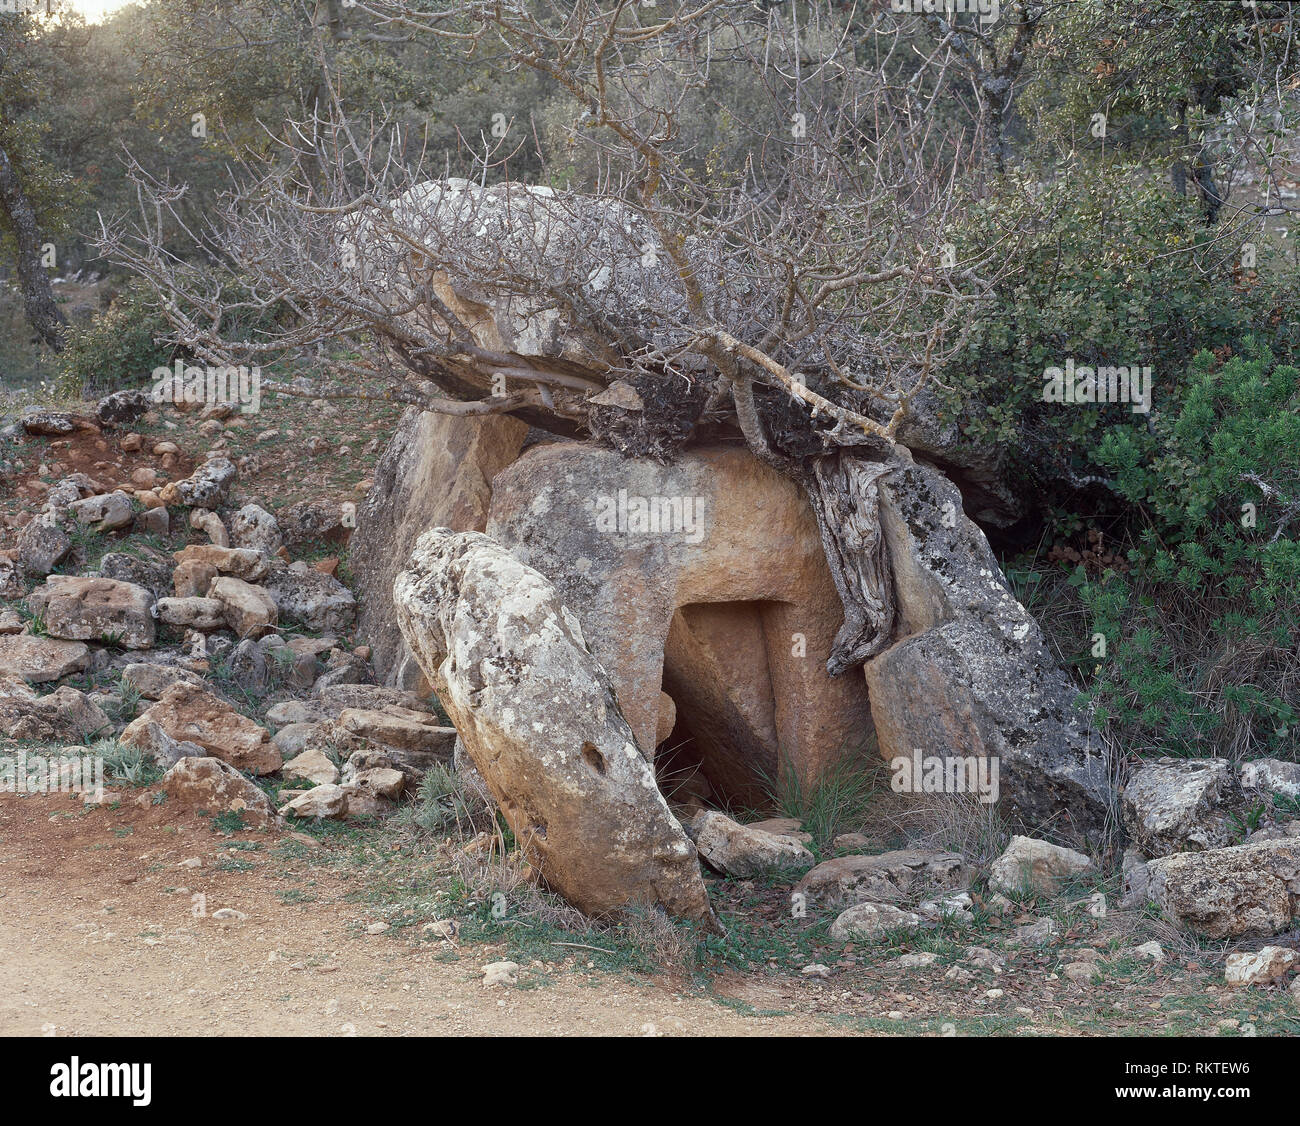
1202 629
116 349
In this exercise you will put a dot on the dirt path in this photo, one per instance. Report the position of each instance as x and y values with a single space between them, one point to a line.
97 937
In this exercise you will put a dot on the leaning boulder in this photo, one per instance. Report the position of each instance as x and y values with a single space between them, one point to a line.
970 674
538 717
94 609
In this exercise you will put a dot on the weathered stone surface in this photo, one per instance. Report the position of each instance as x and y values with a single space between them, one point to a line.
1179 805
327 801
313 765
255 528
1250 890
1273 776
88 609
313 521
106 512
436 472
122 407
866 921
152 680
742 850
722 598
294 738
971 675
211 784
64 716
1034 865
240 562
207 487
152 574
1270 965
886 877
42 545
249 609
204 614
314 601
538 717
166 751
396 727
40 659
48 423
187 712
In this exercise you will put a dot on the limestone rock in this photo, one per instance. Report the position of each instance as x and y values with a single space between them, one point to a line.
152 573
1272 775
249 609
866 921
1035 865
1269 965
90 609
1250 890
887 877
152 680
40 659
742 850
971 675
1179 805
203 614
187 712
166 751
122 407
436 472
255 528
396 727
42 545
107 512
63 716
207 487
705 579
538 717
320 802
239 562
313 765
312 600
211 784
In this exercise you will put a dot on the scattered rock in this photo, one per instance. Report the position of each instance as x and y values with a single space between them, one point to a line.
1035 865
89 609
203 614
501 973
1269 965
1152 950
871 920
238 562
186 712
312 600
64 716
107 512
887 877
42 545
742 850
1178 805
249 610
40 659
1081 973
1272 775
313 765
152 680
255 528
208 783
320 802
207 487
121 408
166 751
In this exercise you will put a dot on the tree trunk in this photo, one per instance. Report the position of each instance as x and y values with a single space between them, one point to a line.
45 316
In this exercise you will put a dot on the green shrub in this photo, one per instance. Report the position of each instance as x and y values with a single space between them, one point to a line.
1201 630
118 348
